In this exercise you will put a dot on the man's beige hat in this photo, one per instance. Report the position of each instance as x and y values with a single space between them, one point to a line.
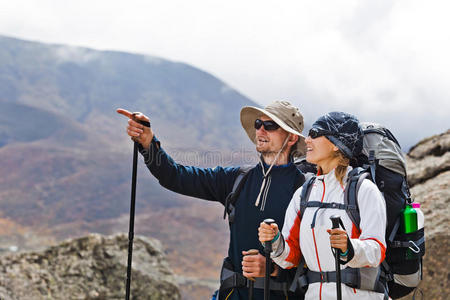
284 114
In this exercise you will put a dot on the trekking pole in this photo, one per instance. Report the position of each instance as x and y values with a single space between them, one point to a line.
131 225
251 286
132 209
336 220
267 250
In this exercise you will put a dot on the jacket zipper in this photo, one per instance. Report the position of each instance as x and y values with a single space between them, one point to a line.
266 191
315 245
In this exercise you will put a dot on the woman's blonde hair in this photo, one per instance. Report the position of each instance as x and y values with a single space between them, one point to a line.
341 169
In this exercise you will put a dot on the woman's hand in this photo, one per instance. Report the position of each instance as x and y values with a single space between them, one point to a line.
267 232
338 239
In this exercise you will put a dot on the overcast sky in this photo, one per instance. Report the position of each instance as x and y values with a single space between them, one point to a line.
383 60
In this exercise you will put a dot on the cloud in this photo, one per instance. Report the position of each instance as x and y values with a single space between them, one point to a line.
383 60
75 54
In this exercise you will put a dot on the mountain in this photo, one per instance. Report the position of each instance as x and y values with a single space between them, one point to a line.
65 155
66 159
186 105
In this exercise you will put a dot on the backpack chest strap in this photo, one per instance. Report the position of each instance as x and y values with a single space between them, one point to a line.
349 276
321 205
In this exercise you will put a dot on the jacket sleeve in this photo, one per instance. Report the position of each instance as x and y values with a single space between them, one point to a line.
205 183
287 252
370 247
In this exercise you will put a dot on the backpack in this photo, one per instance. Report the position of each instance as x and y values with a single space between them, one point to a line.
382 161
307 169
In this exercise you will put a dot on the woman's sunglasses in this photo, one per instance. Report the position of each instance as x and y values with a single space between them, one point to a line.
316 132
268 125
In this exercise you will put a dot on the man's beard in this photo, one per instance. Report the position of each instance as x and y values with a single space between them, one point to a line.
267 152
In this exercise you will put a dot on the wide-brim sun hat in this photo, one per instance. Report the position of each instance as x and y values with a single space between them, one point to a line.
284 114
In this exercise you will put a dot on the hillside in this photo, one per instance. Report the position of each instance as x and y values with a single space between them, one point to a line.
85 85
65 157
64 153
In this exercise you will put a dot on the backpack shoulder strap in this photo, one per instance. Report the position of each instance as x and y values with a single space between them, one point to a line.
303 165
355 179
307 170
238 184
306 191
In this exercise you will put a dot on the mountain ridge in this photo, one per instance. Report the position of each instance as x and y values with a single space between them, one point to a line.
64 150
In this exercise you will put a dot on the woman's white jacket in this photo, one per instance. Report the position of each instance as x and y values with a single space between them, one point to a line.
314 243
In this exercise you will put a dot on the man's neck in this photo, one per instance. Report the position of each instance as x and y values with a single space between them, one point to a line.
268 158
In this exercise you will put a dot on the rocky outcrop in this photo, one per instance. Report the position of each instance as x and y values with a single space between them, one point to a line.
429 177
429 158
91 267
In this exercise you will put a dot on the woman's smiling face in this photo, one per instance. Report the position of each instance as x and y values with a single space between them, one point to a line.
320 151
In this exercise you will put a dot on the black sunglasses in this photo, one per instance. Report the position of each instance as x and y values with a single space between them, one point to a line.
268 125
316 132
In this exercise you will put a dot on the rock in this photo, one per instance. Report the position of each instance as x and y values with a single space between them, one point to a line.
427 167
436 145
429 179
91 267
434 198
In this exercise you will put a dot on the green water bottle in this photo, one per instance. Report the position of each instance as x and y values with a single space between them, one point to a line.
409 223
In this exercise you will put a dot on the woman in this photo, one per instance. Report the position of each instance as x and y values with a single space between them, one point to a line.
334 140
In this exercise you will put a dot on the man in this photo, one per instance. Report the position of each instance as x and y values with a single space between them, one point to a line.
266 193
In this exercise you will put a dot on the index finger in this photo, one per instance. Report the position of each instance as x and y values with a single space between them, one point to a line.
264 225
250 252
337 231
125 112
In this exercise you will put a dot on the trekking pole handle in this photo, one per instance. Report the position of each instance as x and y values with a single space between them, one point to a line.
268 244
267 250
145 123
335 220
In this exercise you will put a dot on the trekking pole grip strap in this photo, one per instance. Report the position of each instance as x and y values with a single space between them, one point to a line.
145 123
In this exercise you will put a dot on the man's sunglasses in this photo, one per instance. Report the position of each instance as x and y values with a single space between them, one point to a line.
268 125
316 132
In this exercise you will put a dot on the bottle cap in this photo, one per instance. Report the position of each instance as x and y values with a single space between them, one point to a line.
416 205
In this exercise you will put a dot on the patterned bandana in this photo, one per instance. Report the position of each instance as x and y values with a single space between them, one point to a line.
345 132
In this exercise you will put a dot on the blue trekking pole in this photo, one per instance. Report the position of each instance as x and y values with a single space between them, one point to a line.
336 220
267 250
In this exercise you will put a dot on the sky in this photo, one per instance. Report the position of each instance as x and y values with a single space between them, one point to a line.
383 60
